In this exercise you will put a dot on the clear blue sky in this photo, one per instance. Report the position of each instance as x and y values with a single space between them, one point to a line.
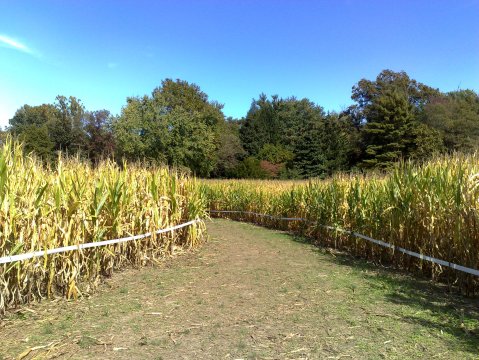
104 51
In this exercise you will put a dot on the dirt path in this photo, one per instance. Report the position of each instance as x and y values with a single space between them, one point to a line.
251 293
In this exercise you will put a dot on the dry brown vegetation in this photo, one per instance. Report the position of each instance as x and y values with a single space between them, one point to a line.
73 203
431 209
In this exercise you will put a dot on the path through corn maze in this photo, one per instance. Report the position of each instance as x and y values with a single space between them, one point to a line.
250 293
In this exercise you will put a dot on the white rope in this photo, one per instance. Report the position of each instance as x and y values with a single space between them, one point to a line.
378 242
21 257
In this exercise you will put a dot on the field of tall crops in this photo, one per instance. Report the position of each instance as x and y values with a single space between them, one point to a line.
432 209
72 203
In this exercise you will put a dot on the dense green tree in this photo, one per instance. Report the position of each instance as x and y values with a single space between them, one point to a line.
100 143
276 122
309 157
350 136
32 115
190 143
63 126
230 151
261 125
31 125
393 117
425 143
322 147
36 139
250 168
63 121
456 116
66 129
365 92
294 116
275 154
298 135
388 111
137 131
341 143
387 131
180 94
177 125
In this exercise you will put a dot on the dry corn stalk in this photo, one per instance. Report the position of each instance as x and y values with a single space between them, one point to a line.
72 203
431 209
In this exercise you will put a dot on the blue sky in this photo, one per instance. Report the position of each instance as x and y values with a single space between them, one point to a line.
104 51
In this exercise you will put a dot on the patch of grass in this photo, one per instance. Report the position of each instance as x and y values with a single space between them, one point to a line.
136 327
252 356
86 342
418 302
20 316
47 328
241 345
157 342
64 325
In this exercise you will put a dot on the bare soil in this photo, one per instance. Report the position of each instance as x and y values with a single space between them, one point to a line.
250 293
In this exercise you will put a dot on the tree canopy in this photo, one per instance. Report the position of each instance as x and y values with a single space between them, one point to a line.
176 125
393 117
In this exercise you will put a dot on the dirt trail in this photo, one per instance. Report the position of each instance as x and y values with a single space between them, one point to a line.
250 293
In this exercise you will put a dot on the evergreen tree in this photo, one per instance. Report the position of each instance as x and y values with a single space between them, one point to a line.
387 132
388 112
309 156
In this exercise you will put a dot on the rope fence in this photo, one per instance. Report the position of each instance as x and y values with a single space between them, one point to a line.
30 255
21 257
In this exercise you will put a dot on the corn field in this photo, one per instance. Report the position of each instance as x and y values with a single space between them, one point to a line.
432 209
72 203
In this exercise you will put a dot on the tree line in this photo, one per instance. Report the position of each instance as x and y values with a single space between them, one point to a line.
393 117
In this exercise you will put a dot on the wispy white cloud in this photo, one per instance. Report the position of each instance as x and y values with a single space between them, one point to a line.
112 65
6 41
